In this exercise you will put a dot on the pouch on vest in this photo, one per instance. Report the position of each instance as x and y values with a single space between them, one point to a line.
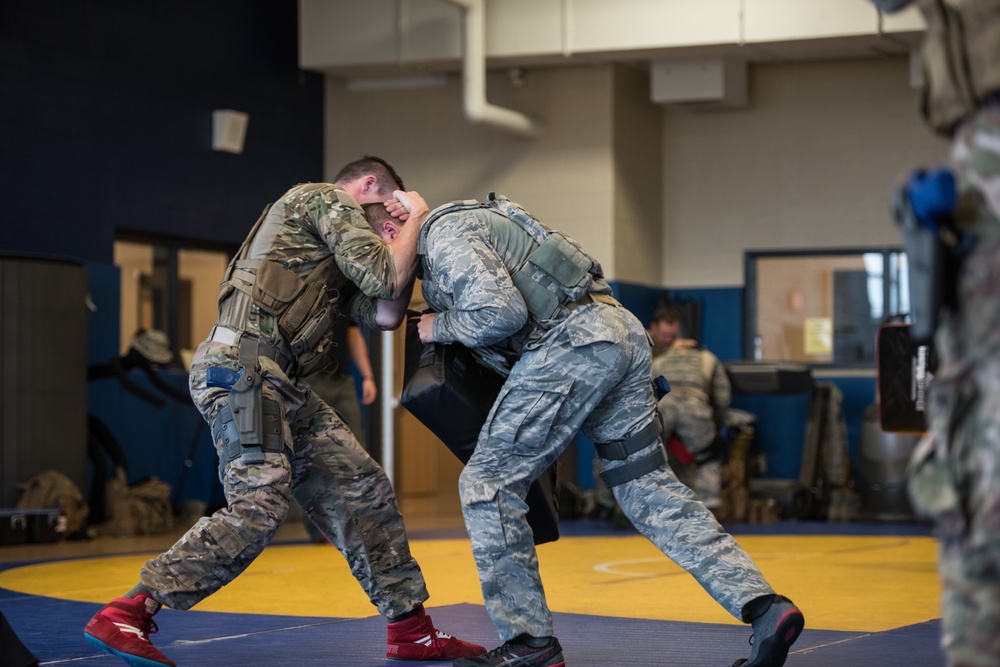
302 310
557 272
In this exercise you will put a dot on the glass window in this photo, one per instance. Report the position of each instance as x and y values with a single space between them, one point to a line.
822 307
167 286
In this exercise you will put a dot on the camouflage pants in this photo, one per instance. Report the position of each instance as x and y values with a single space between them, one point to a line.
327 472
955 477
590 373
341 394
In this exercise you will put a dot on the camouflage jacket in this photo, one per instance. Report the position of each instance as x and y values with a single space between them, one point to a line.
697 380
466 262
313 221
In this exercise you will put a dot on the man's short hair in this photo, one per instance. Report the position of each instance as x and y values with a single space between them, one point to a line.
667 314
377 215
388 179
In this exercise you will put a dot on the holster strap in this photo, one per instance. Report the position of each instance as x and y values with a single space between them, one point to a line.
622 449
635 469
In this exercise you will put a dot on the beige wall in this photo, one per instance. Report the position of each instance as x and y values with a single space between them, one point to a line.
564 178
638 174
808 163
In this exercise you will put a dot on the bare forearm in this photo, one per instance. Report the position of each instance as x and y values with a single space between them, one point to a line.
389 315
359 351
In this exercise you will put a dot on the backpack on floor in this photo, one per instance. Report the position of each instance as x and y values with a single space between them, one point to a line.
51 489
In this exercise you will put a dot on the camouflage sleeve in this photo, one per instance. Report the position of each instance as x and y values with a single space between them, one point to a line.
357 249
486 307
361 308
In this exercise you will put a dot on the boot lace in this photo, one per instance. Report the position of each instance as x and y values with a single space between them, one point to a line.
146 624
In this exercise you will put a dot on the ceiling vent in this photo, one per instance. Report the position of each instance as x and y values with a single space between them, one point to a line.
710 83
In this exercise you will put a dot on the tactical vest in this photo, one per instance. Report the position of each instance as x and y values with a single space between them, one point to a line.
960 59
303 308
555 271
692 380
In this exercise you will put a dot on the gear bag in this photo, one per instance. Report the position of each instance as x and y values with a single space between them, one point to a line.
51 489
141 509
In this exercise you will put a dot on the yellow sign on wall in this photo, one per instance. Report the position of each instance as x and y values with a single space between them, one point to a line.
818 335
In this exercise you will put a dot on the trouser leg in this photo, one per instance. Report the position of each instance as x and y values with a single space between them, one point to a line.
349 498
218 548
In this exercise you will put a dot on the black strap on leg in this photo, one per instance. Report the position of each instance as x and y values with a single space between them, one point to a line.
635 469
620 450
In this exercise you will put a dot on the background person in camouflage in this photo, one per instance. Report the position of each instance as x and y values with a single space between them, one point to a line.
695 409
314 458
664 334
586 369
955 473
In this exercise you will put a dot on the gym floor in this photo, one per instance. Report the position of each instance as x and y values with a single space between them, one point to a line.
869 592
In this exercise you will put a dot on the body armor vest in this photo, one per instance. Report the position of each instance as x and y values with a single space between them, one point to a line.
302 309
550 270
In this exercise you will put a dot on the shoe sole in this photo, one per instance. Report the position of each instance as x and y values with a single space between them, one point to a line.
774 650
133 660
561 663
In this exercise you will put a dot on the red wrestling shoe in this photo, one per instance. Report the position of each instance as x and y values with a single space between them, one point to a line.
122 628
416 638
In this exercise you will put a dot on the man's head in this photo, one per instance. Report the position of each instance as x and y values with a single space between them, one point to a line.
665 326
384 224
370 179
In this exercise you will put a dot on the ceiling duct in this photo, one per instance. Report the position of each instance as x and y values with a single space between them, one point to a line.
477 108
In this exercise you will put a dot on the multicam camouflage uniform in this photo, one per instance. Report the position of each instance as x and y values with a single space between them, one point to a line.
694 411
955 475
586 369
321 466
958 484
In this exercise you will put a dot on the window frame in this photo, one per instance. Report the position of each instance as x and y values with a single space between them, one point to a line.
751 288
173 246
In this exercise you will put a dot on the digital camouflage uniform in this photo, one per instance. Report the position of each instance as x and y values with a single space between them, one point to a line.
694 411
583 370
321 466
955 474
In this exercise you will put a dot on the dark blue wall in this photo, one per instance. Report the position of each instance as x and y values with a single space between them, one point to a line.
106 116
106 109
